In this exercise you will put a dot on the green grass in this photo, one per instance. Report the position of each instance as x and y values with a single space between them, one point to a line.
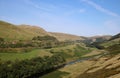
55 74
69 52
80 51
13 32
114 49
110 43
22 56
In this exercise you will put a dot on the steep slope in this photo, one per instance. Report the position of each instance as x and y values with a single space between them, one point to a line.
112 41
97 38
115 37
23 32
10 31
33 30
105 67
63 36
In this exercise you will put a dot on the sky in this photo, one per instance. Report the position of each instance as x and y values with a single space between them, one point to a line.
79 17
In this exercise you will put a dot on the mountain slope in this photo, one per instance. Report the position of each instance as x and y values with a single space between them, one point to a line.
22 32
115 37
10 31
97 38
33 30
104 67
63 36
112 41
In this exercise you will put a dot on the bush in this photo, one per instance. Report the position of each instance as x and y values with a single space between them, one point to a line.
114 49
32 68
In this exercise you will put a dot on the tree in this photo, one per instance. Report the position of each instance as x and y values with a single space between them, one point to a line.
1 39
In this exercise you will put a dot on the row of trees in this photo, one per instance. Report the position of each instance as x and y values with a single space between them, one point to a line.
45 38
32 68
1 39
95 44
37 42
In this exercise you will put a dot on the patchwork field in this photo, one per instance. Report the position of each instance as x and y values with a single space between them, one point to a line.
22 56
70 52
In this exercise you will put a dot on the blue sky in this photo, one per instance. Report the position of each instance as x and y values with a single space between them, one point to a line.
79 17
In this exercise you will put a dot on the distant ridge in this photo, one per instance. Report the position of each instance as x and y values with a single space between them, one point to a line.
20 32
112 41
33 30
64 36
27 32
100 38
117 36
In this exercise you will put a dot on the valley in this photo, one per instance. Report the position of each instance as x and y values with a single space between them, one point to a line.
31 52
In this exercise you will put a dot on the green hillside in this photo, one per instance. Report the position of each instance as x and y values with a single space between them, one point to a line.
93 39
10 31
33 30
64 36
13 32
70 52
112 41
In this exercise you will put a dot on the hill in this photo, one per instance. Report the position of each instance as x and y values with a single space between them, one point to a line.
23 32
27 32
97 39
64 36
33 30
115 37
112 41
45 53
105 67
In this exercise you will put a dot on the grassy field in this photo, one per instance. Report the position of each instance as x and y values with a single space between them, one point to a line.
70 52
80 51
22 56
57 74
110 43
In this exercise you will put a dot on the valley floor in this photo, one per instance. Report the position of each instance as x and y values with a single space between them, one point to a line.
104 67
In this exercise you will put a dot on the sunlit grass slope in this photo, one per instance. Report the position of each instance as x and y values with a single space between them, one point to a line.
22 56
13 32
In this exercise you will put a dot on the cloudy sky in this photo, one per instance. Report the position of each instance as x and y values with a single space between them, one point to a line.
79 17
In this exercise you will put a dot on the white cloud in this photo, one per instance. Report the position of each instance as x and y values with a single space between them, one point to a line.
73 12
100 8
82 10
45 7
